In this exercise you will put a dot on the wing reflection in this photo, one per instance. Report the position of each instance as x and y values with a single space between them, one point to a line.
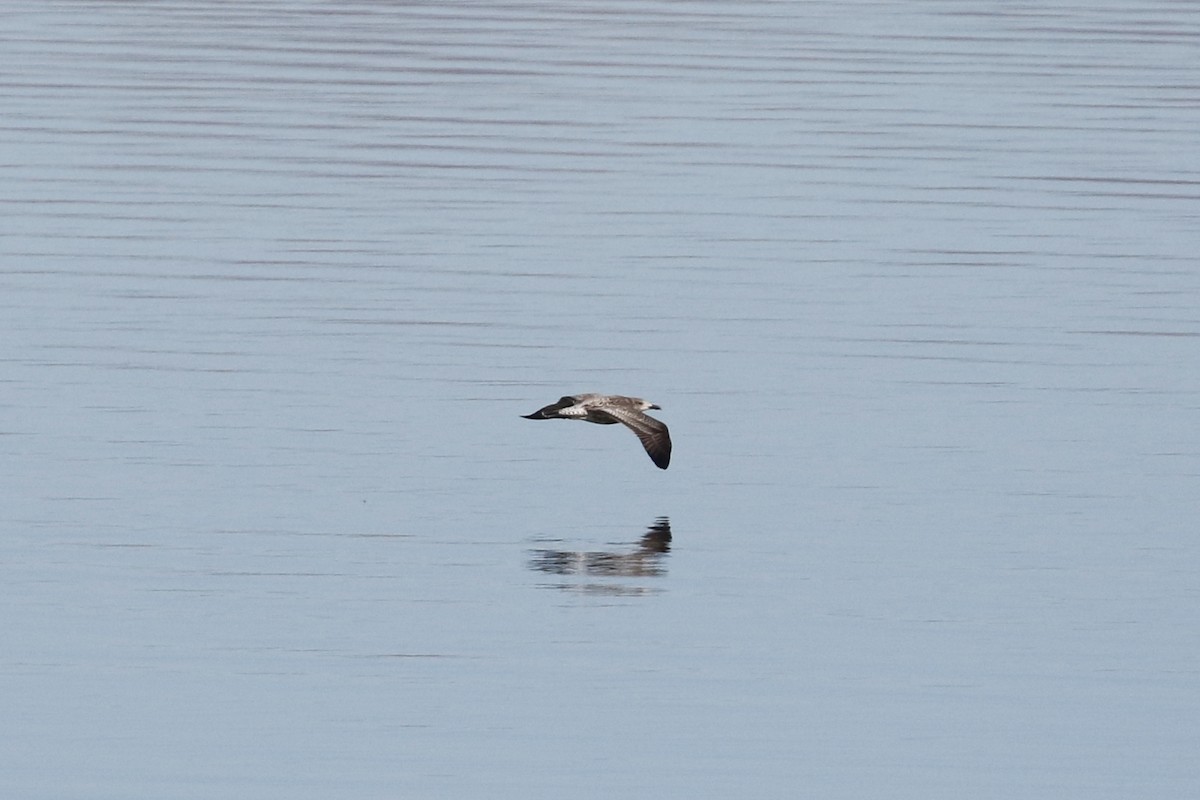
645 560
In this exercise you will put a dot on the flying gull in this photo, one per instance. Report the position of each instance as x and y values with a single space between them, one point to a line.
609 409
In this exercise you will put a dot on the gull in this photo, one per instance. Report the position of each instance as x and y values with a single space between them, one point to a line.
609 409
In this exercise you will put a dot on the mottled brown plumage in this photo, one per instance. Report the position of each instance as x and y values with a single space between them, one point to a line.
609 409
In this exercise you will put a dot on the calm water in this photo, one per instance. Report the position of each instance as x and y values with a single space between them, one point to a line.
916 286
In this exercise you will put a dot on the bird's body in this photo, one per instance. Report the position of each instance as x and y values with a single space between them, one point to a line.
609 409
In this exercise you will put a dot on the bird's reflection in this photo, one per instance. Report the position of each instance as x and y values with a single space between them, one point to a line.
646 559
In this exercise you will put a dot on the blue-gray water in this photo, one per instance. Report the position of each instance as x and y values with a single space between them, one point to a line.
916 285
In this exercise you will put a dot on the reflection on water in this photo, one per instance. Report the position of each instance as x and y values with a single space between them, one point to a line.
645 560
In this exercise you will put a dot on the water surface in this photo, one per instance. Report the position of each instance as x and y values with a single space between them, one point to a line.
915 285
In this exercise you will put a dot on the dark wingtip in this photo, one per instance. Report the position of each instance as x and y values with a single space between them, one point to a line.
551 411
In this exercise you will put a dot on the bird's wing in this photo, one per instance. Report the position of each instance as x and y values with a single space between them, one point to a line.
654 435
